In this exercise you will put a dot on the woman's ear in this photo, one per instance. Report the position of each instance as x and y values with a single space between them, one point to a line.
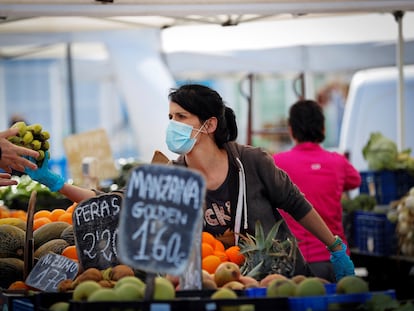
211 125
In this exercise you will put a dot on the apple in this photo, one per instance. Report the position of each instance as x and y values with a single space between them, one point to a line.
163 289
130 292
103 294
226 272
83 290
281 288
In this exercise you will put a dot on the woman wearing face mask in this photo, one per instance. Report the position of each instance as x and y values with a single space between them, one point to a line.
243 184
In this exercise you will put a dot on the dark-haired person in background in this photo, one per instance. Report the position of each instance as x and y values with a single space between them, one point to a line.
321 175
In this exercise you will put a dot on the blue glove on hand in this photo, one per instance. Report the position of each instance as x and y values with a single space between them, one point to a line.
45 176
342 264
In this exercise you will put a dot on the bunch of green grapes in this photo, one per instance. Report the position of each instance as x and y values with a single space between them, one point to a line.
33 137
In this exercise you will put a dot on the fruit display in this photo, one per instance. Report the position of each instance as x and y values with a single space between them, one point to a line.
224 274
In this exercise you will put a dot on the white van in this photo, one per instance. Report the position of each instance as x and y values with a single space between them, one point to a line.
371 106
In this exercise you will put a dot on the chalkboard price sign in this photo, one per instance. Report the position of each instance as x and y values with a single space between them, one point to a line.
161 208
95 224
50 270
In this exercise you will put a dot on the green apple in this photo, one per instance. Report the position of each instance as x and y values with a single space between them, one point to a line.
59 306
311 286
130 292
83 290
163 289
225 293
103 294
352 284
281 288
130 279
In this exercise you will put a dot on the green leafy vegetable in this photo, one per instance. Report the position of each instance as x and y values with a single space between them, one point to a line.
380 152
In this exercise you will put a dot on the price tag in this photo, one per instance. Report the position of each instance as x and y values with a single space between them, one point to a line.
50 270
95 225
161 209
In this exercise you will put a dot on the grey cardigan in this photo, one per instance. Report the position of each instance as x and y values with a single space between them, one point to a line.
262 189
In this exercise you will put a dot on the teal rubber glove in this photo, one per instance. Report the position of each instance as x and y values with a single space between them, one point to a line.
45 176
342 263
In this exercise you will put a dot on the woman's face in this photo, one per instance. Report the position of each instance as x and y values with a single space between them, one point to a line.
179 114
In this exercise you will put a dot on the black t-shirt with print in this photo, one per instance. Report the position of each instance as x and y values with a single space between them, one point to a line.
220 208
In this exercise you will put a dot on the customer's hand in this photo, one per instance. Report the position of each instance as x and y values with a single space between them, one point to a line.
45 176
12 156
342 263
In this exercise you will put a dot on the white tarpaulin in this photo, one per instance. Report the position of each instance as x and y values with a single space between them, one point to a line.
287 39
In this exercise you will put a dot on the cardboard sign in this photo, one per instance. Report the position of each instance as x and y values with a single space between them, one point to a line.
50 270
161 209
93 144
95 225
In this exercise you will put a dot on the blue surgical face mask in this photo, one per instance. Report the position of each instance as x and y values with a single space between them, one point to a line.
179 138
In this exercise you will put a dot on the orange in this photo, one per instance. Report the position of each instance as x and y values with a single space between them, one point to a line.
206 249
42 213
222 255
71 208
37 223
219 246
5 212
208 238
17 213
18 285
70 252
233 252
66 217
55 214
210 263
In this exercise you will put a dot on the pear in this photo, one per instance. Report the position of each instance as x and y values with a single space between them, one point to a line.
120 271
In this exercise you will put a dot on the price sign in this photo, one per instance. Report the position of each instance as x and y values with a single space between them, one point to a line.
50 270
95 225
161 208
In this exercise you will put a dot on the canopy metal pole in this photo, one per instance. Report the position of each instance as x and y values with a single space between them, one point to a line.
400 93
71 92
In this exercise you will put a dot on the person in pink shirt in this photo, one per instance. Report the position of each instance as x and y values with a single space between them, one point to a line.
321 175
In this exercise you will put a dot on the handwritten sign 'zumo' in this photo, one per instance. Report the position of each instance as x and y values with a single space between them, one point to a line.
50 270
95 225
161 208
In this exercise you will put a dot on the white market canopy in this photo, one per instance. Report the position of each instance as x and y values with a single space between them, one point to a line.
294 35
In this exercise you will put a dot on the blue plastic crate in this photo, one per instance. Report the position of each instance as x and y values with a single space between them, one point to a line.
323 303
374 234
386 186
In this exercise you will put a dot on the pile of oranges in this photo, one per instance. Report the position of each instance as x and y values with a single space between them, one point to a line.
213 253
43 217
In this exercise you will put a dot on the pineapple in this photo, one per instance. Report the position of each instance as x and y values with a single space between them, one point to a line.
266 255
